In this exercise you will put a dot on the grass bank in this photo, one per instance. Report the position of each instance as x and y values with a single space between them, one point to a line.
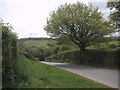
33 74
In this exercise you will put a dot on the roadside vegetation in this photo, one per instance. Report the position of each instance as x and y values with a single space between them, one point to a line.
75 41
9 56
22 72
99 58
33 74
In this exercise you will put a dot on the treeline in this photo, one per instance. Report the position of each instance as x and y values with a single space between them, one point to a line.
9 57
41 38
112 38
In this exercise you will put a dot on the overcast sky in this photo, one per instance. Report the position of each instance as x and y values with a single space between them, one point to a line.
28 17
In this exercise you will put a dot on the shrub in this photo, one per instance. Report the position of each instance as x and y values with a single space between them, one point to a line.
9 57
64 47
41 56
113 46
51 50
50 44
100 58
66 55
34 52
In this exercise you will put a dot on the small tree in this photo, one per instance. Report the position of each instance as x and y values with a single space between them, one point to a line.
115 15
81 23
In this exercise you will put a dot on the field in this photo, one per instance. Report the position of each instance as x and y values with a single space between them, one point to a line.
107 45
39 43
44 43
33 74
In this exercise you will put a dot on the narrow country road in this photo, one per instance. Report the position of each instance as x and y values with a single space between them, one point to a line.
105 76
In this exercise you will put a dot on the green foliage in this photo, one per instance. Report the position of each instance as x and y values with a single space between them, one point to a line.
37 48
0 54
21 47
34 52
51 50
115 15
22 72
37 75
57 49
81 23
64 47
9 56
99 58
70 55
112 46
38 42
108 45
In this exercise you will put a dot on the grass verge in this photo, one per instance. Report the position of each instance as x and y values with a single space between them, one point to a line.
33 74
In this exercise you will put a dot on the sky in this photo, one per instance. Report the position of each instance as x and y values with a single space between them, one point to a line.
28 17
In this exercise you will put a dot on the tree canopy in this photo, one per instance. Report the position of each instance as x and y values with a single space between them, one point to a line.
115 14
82 23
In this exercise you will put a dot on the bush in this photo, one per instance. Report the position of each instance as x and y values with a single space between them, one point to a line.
57 49
100 58
49 51
34 52
64 47
9 57
113 46
41 56
71 55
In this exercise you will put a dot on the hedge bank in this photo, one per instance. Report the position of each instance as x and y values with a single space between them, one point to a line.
99 58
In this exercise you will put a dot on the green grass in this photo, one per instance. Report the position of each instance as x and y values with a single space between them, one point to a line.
44 43
38 43
105 45
34 74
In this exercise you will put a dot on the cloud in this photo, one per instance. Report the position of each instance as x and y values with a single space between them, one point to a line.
29 16
103 7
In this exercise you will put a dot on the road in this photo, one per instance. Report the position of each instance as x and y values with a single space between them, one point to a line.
105 76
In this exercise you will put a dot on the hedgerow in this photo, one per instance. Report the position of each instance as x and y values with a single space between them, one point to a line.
99 57
9 57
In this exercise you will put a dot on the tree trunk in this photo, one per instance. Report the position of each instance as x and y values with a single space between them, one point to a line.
83 55
82 49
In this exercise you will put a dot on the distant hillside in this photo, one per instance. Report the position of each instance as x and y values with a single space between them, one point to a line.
46 42
107 45
38 42
41 38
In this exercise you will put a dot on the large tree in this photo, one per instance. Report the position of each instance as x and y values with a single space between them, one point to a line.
83 24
